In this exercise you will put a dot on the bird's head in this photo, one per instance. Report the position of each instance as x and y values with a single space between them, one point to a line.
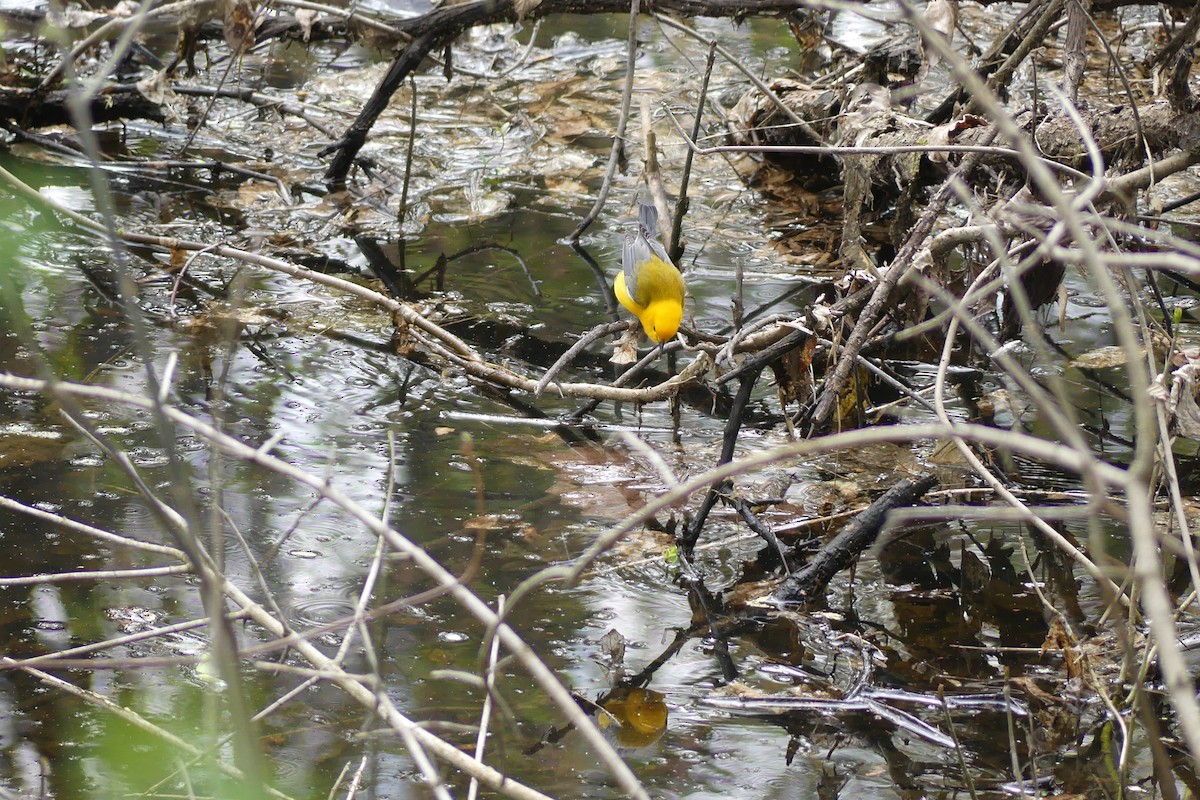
661 320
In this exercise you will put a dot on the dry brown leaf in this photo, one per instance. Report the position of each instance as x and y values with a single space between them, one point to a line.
1035 692
1100 358
942 16
488 522
1057 638
625 351
258 193
793 371
523 7
948 132
157 89
613 645
946 453
238 19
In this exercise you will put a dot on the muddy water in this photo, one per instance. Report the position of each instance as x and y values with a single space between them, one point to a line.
943 606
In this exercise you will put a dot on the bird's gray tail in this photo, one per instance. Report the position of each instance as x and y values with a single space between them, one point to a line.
648 219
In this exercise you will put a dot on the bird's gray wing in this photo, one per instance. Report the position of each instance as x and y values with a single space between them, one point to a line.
648 224
634 252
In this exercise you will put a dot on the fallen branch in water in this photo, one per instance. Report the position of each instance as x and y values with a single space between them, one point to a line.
808 582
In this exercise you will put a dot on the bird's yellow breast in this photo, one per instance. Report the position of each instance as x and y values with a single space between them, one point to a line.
659 299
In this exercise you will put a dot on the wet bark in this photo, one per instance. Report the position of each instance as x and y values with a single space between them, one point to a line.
810 581
31 109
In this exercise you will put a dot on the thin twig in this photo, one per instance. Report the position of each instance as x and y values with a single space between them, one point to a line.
622 121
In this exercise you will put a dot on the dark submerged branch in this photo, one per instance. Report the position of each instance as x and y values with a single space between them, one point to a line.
808 582
32 109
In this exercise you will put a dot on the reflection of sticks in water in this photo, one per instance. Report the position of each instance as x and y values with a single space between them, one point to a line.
719 629
687 542
871 701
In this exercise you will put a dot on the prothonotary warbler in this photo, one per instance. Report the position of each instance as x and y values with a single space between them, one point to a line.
648 284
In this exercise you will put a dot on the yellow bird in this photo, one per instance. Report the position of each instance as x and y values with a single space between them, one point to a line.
649 285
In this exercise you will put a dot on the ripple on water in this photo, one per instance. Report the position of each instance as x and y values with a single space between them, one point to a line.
293 767
318 610
312 746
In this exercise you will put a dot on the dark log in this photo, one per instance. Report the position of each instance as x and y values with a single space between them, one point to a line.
31 109
810 581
